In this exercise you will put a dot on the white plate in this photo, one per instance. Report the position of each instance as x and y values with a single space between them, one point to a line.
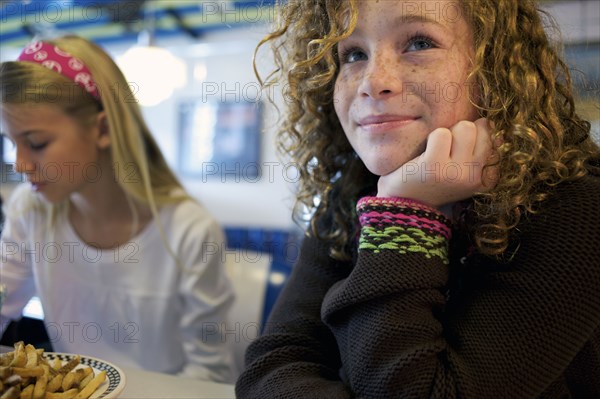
115 379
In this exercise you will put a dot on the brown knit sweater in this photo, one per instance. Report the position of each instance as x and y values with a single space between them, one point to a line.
412 317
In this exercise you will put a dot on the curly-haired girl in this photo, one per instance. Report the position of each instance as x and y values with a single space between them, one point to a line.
453 241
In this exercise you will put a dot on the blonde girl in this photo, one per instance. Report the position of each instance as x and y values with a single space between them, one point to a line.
103 232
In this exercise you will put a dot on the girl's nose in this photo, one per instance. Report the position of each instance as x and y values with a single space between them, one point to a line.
382 77
24 164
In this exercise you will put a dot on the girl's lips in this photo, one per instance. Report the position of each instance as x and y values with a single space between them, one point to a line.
384 123
37 186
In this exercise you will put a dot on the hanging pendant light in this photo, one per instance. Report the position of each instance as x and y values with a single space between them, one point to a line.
153 72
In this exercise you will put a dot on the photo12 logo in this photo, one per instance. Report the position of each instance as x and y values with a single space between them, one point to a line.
53 172
52 12
92 332
67 252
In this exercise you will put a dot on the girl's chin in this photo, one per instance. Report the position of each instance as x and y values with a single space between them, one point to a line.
384 168
50 199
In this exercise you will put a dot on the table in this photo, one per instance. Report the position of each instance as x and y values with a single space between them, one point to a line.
142 384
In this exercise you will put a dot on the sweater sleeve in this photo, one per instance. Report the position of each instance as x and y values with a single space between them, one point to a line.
514 331
385 315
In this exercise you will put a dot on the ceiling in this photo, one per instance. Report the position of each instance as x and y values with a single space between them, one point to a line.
113 21
121 21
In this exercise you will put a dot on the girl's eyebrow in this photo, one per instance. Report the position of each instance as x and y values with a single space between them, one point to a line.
412 18
24 133
407 19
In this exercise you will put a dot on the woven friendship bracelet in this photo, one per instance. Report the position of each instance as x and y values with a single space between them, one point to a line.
403 226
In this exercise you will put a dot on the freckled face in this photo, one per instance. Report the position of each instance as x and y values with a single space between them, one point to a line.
54 151
403 73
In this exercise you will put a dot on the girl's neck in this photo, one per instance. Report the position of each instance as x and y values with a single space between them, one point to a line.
104 216
103 202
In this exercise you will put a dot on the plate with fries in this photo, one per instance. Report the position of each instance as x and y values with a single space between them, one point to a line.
28 372
110 387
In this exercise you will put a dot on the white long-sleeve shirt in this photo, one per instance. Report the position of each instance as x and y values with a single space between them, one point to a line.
132 305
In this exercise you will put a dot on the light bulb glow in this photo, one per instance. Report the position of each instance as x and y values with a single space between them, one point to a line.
153 73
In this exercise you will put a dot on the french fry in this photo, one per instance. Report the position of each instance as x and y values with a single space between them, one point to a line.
70 394
20 357
27 392
68 381
81 374
86 380
55 383
24 372
32 356
90 388
51 369
71 364
39 391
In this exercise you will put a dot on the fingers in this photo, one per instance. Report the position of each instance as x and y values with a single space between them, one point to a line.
472 147
464 139
472 142
439 144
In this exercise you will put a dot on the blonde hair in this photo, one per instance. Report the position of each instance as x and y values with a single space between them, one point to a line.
524 89
139 166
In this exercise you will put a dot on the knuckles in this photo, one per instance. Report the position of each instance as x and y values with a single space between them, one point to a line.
465 127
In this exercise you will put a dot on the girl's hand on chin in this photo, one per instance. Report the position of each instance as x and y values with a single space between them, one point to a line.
450 169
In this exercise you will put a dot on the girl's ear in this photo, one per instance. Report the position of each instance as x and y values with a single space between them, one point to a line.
103 131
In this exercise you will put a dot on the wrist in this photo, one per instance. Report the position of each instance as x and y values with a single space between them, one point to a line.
404 226
398 205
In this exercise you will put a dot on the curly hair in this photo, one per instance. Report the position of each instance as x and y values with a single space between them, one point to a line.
524 90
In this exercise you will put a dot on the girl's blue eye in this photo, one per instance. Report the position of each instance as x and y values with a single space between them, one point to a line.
352 55
419 43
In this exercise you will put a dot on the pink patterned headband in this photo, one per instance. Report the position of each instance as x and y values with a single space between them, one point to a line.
55 59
